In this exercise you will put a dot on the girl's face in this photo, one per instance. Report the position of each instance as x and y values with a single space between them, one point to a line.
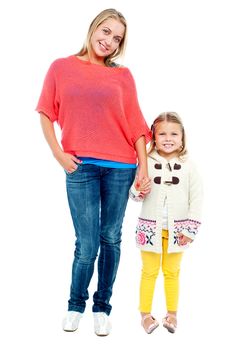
168 138
106 38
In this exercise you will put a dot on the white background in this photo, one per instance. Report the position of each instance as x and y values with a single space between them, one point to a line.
180 55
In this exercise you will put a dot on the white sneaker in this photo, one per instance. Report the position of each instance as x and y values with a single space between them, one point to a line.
71 321
102 325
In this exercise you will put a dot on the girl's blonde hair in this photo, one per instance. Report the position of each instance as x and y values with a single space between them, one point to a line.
100 18
171 117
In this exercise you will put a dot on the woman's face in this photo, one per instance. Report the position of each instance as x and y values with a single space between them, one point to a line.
107 37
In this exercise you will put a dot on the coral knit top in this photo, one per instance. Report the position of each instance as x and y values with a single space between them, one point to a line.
96 107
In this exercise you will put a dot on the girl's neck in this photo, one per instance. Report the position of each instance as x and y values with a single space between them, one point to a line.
168 157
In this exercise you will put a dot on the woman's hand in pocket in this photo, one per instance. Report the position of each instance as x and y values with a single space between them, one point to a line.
68 161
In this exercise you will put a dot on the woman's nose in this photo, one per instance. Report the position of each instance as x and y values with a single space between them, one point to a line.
108 40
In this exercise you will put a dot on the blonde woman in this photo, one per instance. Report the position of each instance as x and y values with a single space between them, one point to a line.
170 216
94 100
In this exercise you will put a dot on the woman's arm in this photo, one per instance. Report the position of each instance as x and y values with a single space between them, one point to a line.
140 146
66 160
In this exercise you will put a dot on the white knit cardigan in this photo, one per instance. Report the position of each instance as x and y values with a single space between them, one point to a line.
179 183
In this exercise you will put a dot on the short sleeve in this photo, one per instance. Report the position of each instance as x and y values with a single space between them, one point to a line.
135 118
48 101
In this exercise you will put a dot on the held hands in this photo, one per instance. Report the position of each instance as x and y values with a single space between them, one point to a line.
68 161
142 182
183 240
144 186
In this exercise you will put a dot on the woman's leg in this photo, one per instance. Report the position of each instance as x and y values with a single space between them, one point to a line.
114 189
83 190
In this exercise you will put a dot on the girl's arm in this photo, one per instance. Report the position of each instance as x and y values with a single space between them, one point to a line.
195 207
66 160
138 192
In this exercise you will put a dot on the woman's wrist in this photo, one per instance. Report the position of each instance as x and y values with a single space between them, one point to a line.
143 169
58 153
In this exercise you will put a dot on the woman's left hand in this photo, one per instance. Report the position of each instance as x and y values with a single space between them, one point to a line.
143 182
144 186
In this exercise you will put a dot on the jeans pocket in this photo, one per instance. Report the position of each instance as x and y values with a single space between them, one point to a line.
73 172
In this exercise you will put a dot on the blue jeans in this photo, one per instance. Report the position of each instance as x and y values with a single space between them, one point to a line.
97 199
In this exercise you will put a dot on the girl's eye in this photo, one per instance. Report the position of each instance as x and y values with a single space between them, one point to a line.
105 31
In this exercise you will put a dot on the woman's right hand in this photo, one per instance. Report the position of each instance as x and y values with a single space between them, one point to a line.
68 161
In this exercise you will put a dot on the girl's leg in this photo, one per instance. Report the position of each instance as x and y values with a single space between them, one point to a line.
114 189
150 271
171 270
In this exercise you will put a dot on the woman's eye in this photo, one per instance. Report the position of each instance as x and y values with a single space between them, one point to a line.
117 40
105 31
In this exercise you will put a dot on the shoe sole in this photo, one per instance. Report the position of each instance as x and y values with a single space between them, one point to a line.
152 329
169 329
70 330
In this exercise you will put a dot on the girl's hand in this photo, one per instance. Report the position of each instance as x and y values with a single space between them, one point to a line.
142 181
68 161
183 240
144 186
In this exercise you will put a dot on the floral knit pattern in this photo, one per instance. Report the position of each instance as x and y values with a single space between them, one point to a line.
145 230
188 225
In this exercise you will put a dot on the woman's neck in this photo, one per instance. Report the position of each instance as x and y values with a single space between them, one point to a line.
93 59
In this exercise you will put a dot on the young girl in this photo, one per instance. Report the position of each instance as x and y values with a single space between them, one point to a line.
104 133
170 215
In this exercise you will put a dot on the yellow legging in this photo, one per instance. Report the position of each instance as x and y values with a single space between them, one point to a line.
150 270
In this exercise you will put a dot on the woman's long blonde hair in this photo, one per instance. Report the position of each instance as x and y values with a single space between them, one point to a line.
100 18
171 117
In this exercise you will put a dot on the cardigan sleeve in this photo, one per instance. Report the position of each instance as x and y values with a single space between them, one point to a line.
195 203
135 195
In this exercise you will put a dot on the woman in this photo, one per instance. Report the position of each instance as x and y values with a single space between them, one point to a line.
104 134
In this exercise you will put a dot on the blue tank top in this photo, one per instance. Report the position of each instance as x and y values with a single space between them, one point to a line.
107 163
